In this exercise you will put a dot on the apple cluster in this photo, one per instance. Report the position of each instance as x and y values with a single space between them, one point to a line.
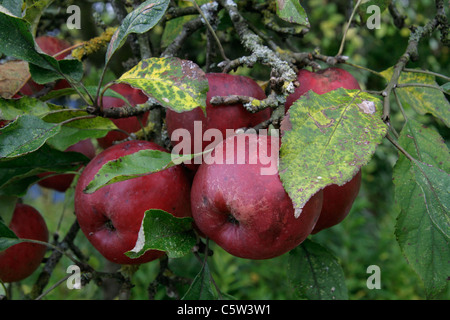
248 214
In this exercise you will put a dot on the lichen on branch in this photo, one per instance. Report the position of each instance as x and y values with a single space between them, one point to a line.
281 70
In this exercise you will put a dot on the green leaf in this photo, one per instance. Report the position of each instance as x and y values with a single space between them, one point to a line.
17 174
202 288
16 40
71 68
34 10
12 108
315 274
13 6
446 87
92 90
7 237
422 99
292 12
326 139
26 134
435 186
70 132
173 28
421 189
140 20
7 206
132 166
74 131
176 84
162 231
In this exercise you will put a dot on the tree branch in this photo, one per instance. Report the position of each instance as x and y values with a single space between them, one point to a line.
281 70
52 261
411 54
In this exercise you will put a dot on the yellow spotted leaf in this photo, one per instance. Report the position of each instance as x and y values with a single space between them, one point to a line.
326 139
421 98
175 83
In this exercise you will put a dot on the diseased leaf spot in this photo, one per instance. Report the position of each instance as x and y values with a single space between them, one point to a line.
367 106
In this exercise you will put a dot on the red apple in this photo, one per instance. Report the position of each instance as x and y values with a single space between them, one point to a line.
321 82
337 200
217 117
62 182
21 260
51 46
239 202
111 217
130 124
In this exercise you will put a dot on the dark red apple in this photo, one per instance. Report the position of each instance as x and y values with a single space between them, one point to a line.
111 217
51 46
337 200
21 260
217 117
130 124
321 82
239 202
62 182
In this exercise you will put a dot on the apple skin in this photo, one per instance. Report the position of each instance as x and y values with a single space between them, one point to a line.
337 202
219 117
248 214
111 217
321 82
51 46
130 124
21 260
62 182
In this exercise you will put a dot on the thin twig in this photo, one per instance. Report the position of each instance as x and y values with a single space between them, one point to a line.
341 48
400 148
411 53
52 287
211 30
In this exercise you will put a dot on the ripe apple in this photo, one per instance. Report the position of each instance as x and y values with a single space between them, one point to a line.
240 203
337 200
321 82
220 117
21 260
62 182
130 124
51 46
111 217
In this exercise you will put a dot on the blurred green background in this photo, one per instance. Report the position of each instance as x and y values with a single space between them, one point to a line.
366 237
